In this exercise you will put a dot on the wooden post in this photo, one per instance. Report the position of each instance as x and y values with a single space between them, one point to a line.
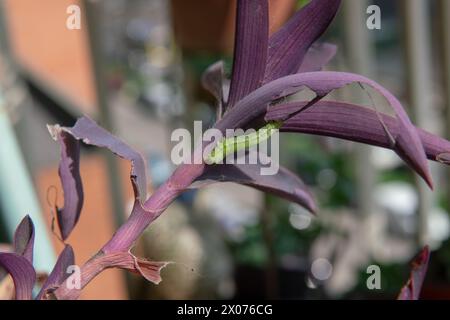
418 59
360 58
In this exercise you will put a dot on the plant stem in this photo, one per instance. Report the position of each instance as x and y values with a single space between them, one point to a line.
125 237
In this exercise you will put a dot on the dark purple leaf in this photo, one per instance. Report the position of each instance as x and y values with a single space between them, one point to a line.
407 143
69 173
411 291
59 273
22 272
289 45
355 123
24 239
250 53
318 56
284 184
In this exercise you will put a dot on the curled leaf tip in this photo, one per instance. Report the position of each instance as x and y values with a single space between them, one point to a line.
150 270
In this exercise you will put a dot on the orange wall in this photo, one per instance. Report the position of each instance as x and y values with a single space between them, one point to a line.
43 45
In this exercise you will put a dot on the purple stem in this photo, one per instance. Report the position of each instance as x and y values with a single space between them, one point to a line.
131 230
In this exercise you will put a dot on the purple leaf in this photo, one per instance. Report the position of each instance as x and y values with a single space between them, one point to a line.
59 273
22 272
212 80
318 56
407 143
288 46
411 291
89 132
284 184
69 174
355 123
250 53
24 239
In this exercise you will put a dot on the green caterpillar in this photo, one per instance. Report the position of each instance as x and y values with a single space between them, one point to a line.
231 145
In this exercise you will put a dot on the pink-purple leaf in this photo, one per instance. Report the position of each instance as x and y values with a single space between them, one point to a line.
24 239
411 291
250 52
59 273
22 272
289 45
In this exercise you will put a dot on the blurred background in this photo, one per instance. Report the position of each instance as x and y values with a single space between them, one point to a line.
134 66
